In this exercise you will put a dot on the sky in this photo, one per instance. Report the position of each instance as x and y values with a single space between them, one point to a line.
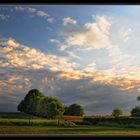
84 54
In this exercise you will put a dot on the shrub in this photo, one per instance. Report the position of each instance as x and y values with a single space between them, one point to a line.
117 112
112 120
74 110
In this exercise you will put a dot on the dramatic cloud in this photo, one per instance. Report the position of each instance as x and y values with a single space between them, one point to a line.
16 55
96 36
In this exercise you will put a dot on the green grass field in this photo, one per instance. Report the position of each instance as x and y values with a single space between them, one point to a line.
68 130
20 123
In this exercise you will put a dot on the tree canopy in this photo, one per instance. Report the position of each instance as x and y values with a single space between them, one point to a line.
135 112
117 112
74 110
36 103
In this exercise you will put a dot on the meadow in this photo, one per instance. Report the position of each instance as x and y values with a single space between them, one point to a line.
20 123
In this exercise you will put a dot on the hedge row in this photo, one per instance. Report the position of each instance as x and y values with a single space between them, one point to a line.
119 120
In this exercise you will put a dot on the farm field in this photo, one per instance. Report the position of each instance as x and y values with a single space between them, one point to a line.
20 123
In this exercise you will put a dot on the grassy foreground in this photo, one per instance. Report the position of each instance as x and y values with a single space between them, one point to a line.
20 123
67 130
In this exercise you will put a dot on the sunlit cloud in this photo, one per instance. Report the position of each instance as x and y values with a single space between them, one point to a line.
103 23
93 35
12 43
16 55
71 75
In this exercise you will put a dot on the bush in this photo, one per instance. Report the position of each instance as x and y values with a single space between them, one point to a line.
74 110
112 120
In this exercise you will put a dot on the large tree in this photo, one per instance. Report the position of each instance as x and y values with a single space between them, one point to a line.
31 101
135 112
51 108
36 103
74 110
